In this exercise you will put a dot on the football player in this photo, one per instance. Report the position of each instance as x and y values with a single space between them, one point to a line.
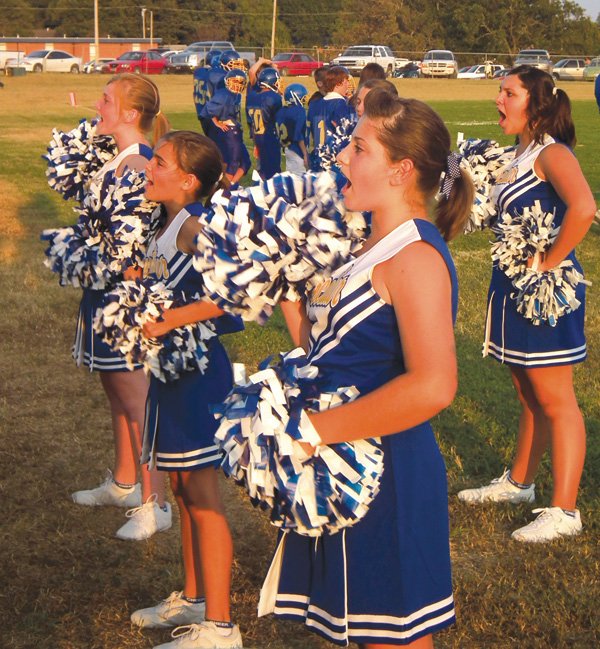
292 129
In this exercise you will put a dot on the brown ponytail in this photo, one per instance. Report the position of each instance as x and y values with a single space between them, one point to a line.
548 108
408 128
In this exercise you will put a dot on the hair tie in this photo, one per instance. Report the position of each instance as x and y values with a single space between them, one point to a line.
159 112
450 175
554 90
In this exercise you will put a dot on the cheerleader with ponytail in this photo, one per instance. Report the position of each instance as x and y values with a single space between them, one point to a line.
536 298
184 173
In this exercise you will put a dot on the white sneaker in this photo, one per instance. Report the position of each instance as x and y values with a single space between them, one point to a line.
499 490
204 636
109 493
172 611
145 521
552 523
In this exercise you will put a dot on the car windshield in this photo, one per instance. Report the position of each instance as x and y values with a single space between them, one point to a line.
38 54
532 54
594 62
439 56
131 56
282 57
358 51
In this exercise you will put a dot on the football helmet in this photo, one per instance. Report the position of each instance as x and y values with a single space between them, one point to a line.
270 78
295 93
236 81
231 60
212 58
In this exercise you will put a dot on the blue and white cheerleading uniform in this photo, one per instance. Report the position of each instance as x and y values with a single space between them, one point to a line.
386 579
509 337
89 349
179 427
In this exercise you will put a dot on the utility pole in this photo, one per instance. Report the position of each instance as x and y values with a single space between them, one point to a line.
273 28
143 22
151 28
96 33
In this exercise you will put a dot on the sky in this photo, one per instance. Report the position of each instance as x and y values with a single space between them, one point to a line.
591 6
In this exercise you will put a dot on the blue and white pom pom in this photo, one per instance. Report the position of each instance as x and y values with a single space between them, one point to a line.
335 141
544 296
114 225
74 157
521 236
484 160
120 322
541 296
262 423
275 240
73 253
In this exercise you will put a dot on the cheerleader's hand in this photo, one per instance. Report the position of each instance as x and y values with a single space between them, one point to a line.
537 262
158 328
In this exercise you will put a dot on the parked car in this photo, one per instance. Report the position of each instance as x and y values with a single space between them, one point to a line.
194 54
409 71
356 57
138 62
439 63
569 69
478 71
592 69
536 58
500 74
48 61
295 63
96 66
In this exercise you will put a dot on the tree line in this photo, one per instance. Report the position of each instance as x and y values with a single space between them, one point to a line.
560 26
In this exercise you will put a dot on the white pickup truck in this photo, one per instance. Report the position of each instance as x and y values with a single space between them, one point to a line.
356 57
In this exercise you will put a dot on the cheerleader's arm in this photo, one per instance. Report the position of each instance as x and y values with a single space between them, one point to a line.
418 286
297 322
559 166
181 316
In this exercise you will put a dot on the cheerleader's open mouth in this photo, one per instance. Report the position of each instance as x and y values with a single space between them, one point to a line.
502 117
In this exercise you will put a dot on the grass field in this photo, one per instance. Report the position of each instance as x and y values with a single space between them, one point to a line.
68 584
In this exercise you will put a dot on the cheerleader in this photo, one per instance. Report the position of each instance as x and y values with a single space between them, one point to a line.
128 109
540 356
386 328
179 429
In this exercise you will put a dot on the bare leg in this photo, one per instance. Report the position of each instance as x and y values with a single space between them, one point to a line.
194 586
553 389
126 392
426 642
210 538
533 437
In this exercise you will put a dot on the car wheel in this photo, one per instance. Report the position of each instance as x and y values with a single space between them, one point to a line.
74 69
165 70
388 71
284 72
37 67
137 70
556 76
